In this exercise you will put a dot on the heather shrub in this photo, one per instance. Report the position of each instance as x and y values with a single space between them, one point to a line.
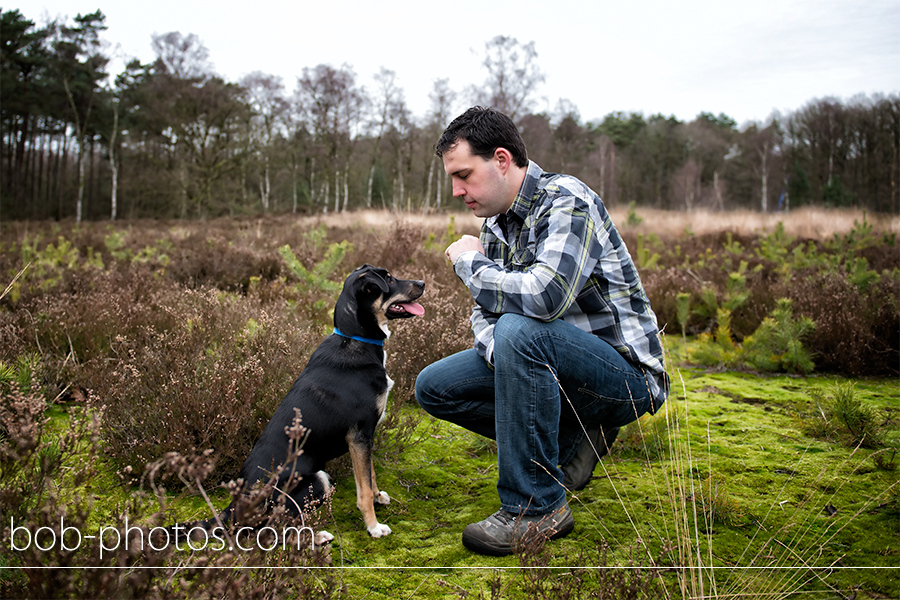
45 495
48 483
856 333
72 327
211 381
848 286
202 260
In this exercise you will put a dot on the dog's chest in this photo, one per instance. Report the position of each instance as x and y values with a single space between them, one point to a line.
381 399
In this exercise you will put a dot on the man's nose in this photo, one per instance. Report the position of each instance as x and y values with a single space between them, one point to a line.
458 191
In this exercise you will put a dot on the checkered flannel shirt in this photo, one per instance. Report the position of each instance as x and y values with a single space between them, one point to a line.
555 254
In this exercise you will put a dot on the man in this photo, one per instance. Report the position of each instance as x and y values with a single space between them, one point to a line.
567 348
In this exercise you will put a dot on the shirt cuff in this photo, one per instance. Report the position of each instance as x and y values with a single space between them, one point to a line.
489 353
463 265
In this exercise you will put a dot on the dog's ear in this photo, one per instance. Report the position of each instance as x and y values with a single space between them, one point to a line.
373 278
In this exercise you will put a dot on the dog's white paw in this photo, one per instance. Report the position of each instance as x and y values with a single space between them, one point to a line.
380 530
382 498
323 537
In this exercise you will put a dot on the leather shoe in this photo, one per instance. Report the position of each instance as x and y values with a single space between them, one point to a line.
593 447
503 532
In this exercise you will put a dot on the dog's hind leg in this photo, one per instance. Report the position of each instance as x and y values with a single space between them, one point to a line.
366 489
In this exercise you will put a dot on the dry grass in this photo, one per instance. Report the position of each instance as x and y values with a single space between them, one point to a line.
466 222
808 223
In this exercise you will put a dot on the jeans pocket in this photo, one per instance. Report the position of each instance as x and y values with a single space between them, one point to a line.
613 411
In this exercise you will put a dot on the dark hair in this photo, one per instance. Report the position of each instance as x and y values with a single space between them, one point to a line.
485 129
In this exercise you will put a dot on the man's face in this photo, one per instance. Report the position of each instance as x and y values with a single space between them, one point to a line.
478 182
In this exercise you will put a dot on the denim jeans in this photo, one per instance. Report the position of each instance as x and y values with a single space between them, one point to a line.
519 404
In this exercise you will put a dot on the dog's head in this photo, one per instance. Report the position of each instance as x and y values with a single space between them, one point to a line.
371 298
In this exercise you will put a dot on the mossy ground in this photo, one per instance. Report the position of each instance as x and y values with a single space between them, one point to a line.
783 501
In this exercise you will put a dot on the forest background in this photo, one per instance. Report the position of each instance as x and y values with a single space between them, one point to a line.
172 139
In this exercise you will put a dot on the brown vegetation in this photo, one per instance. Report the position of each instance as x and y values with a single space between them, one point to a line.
190 333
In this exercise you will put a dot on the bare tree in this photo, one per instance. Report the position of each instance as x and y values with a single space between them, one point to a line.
687 183
267 103
513 76
762 145
334 104
442 99
389 105
184 57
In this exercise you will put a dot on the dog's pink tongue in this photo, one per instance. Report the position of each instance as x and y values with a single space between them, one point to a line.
413 308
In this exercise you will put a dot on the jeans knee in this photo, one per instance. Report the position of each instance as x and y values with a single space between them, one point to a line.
429 391
423 390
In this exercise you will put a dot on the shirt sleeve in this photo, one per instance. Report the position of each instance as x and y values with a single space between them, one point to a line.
544 278
483 328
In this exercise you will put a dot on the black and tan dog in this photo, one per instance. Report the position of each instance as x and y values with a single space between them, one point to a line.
340 396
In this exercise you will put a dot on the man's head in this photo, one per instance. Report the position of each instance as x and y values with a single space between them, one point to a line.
485 158
486 129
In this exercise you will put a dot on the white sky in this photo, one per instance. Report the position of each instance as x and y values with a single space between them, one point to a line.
744 59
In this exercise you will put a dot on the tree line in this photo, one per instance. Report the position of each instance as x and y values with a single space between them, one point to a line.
172 139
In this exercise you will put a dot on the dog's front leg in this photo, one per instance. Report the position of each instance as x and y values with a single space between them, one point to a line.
366 490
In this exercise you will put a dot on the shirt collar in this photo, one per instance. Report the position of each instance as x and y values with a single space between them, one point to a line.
521 206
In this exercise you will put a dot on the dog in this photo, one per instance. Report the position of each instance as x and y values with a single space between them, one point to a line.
340 397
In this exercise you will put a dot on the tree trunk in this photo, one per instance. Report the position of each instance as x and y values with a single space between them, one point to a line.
337 191
765 180
720 204
265 186
313 197
294 187
346 189
63 168
32 171
113 164
428 186
80 202
369 190
41 183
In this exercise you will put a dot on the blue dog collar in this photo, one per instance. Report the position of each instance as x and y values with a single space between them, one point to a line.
360 339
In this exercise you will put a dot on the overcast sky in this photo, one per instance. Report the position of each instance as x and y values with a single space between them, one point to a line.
744 59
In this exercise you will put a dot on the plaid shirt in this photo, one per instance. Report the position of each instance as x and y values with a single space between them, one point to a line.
556 254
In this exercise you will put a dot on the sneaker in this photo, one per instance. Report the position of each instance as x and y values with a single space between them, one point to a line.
503 532
593 447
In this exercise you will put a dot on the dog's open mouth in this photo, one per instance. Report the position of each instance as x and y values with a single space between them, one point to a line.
405 309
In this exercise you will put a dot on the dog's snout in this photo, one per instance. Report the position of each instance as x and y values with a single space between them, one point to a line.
418 287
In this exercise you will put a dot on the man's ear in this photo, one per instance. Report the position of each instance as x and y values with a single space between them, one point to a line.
504 159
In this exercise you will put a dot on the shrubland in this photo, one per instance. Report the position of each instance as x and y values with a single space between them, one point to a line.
139 361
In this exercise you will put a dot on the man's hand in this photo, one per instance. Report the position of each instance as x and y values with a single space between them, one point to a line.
463 244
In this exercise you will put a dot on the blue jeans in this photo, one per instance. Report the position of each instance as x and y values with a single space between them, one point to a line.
519 403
